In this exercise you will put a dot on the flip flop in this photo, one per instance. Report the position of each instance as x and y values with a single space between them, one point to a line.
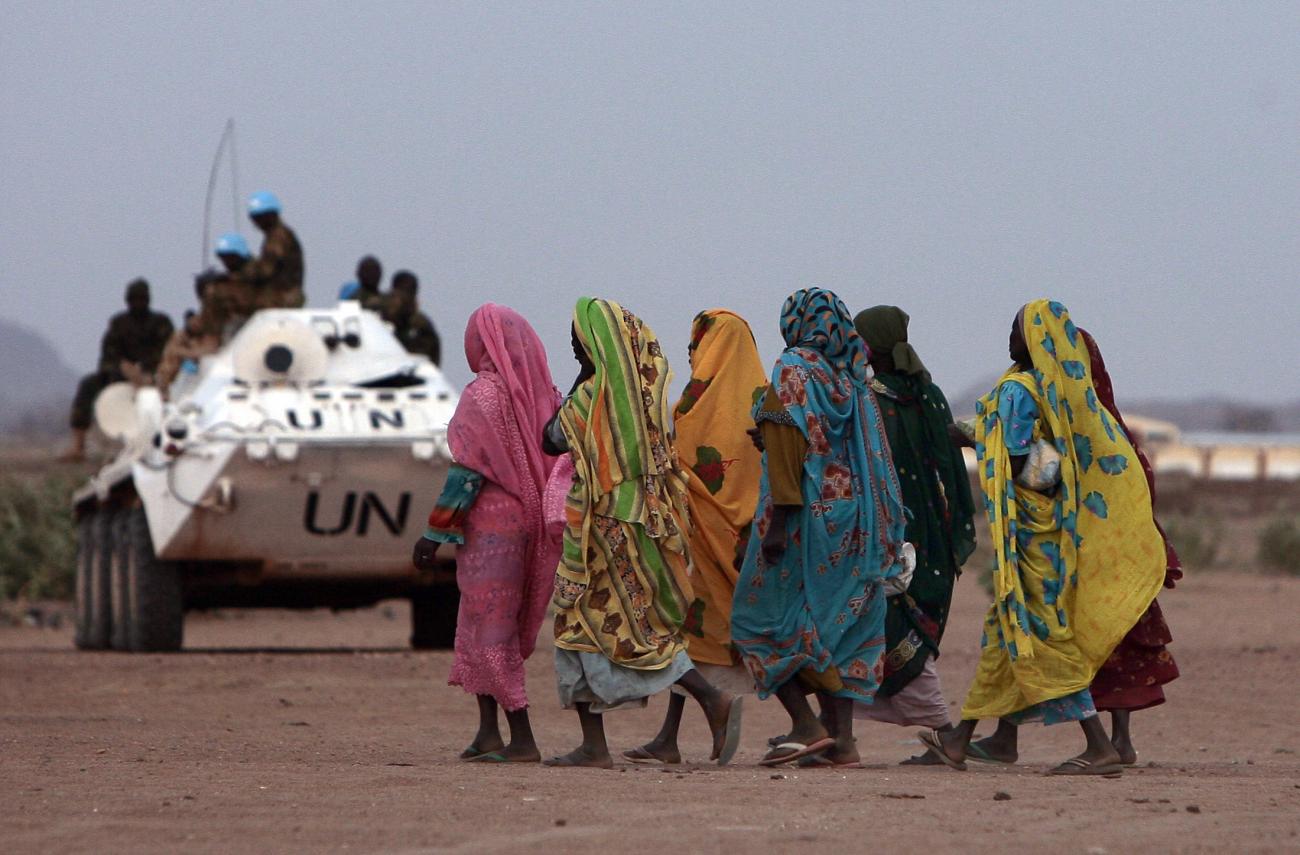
470 753
821 761
489 757
640 755
930 739
1079 766
797 750
731 741
976 754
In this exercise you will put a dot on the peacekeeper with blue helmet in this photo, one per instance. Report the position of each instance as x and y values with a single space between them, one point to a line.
226 296
276 274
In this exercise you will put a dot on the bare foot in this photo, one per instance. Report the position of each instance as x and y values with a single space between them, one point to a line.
668 754
582 757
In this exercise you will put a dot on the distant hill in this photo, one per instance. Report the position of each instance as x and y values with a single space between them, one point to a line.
1209 413
36 386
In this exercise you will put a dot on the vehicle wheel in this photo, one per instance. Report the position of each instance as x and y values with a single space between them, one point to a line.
93 615
119 590
155 611
433 617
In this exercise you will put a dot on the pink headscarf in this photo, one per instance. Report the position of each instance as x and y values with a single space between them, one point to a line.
497 431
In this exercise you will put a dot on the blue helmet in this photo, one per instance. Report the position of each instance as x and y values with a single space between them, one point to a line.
263 202
349 290
233 243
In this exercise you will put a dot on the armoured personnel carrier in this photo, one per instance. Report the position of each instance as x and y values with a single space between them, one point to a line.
293 468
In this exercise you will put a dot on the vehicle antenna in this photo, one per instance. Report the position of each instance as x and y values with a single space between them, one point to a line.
226 135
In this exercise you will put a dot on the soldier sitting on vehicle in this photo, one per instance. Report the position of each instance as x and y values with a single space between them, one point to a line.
193 341
411 326
132 346
369 274
228 301
276 274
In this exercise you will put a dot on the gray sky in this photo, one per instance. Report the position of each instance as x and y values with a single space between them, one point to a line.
1139 162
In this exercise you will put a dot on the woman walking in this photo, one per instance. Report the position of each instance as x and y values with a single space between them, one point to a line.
722 469
809 609
621 590
940 525
1134 675
492 506
1079 556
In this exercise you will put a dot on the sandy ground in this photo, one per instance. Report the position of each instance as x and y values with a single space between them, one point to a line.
283 731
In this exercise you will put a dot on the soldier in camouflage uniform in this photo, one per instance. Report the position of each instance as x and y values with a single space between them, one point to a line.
132 345
193 341
276 274
228 300
369 274
411 326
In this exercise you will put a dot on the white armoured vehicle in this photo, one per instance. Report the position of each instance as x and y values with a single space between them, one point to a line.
294 468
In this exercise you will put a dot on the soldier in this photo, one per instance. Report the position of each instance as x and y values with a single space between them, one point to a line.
228 301
132 346
369 274
194 340
276 274
413 328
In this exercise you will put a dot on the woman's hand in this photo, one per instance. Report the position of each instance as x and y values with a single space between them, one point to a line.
756 436
425 554
774 541
959 437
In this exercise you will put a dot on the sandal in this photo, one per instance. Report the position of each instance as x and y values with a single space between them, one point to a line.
931 740
1080 766
795 751
977 754
640 755
731 738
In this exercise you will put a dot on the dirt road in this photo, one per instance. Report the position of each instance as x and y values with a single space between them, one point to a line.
317 732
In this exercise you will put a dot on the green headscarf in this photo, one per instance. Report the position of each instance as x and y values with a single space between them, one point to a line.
884 329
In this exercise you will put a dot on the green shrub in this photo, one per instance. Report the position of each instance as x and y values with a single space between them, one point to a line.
38 542
1196 539
1279 546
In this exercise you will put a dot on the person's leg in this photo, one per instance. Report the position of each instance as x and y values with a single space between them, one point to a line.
837 714
1121 738
664 746
956 739
523 746
718 706
1099 753
1003 744
774 741
805 726
926 757
83 415
488 738
593 752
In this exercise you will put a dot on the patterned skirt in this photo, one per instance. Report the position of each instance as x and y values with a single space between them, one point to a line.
492 574
1138 668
